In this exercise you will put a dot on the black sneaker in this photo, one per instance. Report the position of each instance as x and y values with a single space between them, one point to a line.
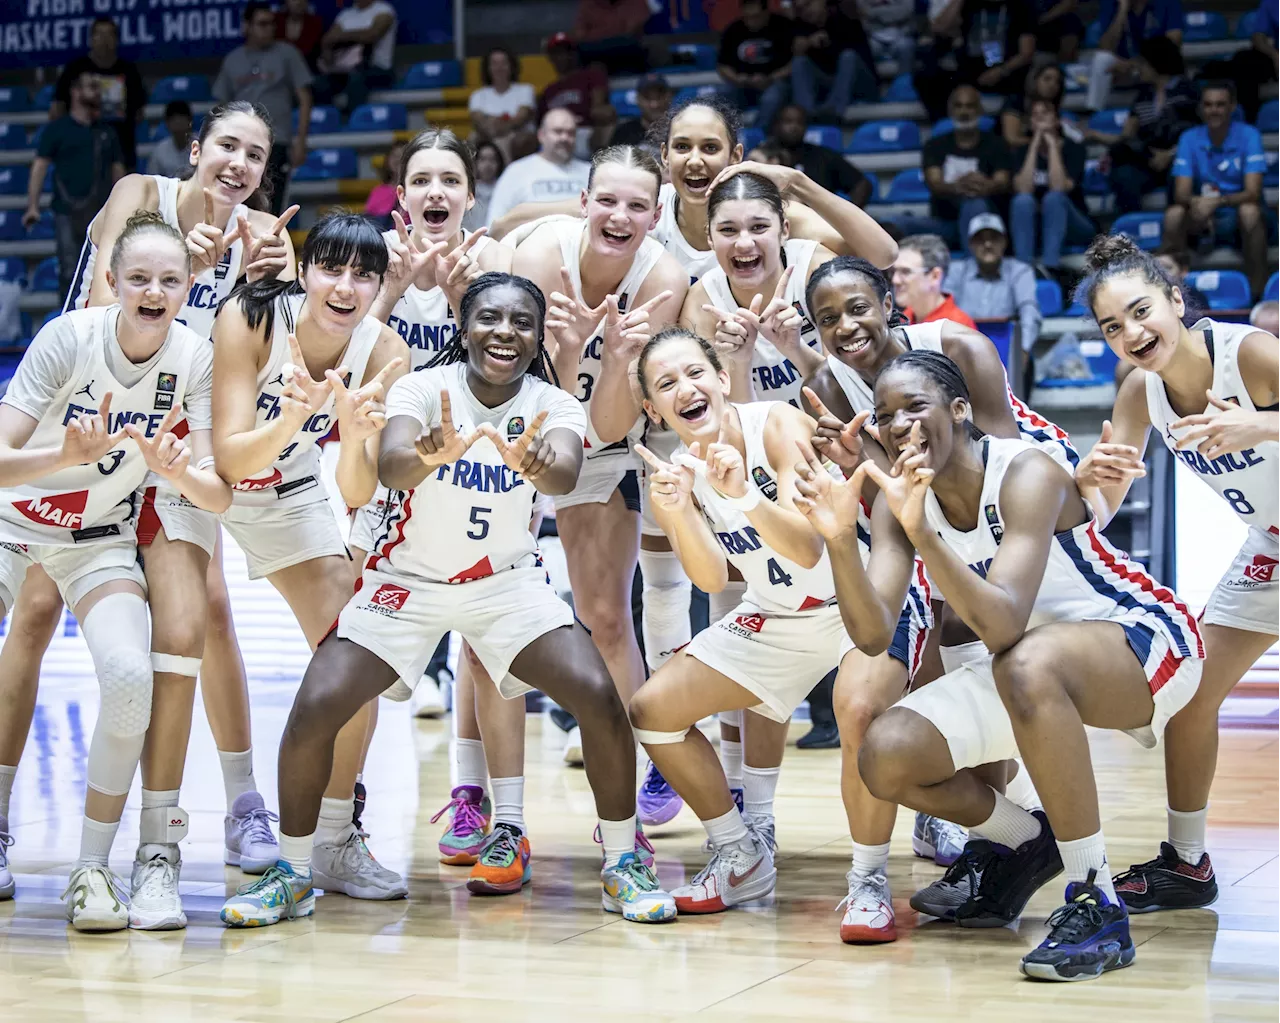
563 719
360 795
823 735
1088 936
959 884
1011 878
1167 882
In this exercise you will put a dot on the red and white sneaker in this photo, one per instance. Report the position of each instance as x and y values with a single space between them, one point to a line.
868 911
733 876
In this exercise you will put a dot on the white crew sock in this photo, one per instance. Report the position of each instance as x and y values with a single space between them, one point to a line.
870 859
335 819
731 760
728 830
1022 790
297 851
1085 854
665 622
237 774
508 801
1186 833
1009 824
96 838
153 799
469 766
7 774
758 787
617 837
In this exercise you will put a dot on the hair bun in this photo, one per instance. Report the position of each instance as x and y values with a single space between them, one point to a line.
1107 249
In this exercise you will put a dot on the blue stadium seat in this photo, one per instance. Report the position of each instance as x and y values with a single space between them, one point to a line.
1225 289
1144 228
1097 355
825 135
42 229
323 120
433 74
901 90
13 270
908 186
751 137
1049 295
690 91
1095 182
11 229
1203 27
45 275
43 98
700 55
1245 24
12 136
13 98
192 88
1269 116
14 178
1271 177
1092 34
624 102
986 122
378 117
1110 122
327 164
1271 293
885 137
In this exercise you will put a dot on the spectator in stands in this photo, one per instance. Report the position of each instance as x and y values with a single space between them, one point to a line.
490 164
833 63
1048 185
84 152
171 156
990 287
755 60
549 175
653 97
119 84
385 198
1127 23
1177 263
1251 67
609 31
1266 316
1059 29
1046 82
823 165
1217 183
358 53
1167 105
583 91
502 111
298 24
992 42
921 267
891 29
274 75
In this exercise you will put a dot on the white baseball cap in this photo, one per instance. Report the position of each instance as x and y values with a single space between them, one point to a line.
987 222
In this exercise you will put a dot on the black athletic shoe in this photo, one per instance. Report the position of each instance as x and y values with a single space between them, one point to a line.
1167 883
563 719
359 801
823 735
959 884
1011 878
1088 936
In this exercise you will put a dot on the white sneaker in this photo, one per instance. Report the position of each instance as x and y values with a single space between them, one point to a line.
6 879
427 700
398 692
573 747
96 900
154 902
348 867
733 876
249 841
868 911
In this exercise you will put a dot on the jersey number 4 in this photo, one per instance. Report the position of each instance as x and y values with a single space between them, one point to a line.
776 575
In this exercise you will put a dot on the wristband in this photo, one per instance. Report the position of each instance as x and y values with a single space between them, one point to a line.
206 462
744 503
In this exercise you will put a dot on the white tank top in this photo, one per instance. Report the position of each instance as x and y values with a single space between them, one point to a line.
571 234
774 583
697 262
776 379
469 519
423 318
94 502
295 474
1246 480
208 289
1085 578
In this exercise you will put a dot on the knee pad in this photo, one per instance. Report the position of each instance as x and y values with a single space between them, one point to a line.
720 604
732 718
667 590
648 738
172 664
116 631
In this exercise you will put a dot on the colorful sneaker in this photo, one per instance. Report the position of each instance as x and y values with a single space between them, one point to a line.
279 894
644 848
250 844
657 802
1088 936
868 911
630 888
154 902
7 886
573 747
958 885
470 811
1011 878
349 867
1167 882
733 876
738 799
96 900
937 840
503 867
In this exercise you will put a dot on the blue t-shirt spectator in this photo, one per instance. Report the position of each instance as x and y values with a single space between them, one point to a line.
1157 18
1222 166
1267 20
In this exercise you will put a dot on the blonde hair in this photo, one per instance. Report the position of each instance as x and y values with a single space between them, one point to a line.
140 222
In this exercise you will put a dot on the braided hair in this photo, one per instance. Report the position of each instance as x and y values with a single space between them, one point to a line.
941 370
871 273
456 350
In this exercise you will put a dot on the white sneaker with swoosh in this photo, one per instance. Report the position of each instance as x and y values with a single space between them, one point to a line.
737 874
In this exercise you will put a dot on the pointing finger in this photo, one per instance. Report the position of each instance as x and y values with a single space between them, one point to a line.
783 281
815 403
284 218
208 208
402 229
653 460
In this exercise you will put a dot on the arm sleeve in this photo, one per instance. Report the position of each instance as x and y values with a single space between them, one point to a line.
198 400
45 368
504 195
564 412
410 396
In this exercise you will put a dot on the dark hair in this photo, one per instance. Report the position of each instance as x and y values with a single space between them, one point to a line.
1179 255
783 109
938 368
512 59
456 351
140 222
728 114
338 239
177 106
1035 76
439 138
1056 105
102 19
261 195
627 156
933 250
865 269
746 186
1117 255
673 333
255 7
494 148
1221 84
1163 54
386 161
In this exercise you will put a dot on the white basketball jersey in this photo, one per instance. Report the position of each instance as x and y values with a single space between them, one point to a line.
208 289
94 502
423 318
571 234
295 474
697 262
774 583
469 519
1085 578
776 379
1246 480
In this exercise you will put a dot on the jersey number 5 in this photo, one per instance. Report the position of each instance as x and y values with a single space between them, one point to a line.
482 525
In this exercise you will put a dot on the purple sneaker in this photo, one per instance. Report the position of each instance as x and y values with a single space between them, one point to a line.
469 811
657 802
737 799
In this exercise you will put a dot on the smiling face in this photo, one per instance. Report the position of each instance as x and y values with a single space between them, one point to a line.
852 320
557 134
696 150
905 396
1139 322
748 239
435 192
501 334
339 295
231 160
620 209
685 391
151 280
914 287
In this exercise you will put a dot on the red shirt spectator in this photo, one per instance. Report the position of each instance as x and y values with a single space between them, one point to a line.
583 91
296 23
948 310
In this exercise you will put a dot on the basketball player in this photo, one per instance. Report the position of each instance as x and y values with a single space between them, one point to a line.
1079 636
68 474
1210 392
472 568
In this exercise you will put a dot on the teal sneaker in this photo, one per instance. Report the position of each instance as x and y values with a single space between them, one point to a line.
630 888
279 894
469 812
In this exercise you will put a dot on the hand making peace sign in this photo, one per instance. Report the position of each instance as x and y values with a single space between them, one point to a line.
166 454
266 255
530 454
443 445
361 412
626 333
838 441
570 320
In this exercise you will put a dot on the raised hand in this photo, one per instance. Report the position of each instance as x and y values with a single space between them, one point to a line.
456 271
905 486
313 393
530 454
87 439
205 241
831 506
735 336
266 255
786 178
670 485
779 322
166 455
835 440
409 256
443 445
626 333
1226 429
1108 464
569 319
726 470
361 412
